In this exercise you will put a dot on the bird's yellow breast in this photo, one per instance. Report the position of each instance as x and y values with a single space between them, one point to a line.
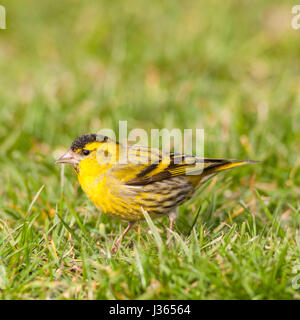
106 191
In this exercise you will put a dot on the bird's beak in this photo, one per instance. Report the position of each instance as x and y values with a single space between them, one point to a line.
69 157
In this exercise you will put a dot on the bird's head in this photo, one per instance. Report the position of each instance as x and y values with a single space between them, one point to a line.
91 149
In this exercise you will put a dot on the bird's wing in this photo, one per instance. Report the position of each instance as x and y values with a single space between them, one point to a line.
142 171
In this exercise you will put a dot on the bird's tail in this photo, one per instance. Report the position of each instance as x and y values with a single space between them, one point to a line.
224 164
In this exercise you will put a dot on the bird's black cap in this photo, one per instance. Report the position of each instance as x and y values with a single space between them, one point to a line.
83 140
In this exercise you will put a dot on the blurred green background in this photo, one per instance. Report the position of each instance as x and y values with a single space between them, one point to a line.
70 67
73 67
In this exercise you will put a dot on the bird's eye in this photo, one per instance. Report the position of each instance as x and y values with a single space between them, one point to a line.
86 152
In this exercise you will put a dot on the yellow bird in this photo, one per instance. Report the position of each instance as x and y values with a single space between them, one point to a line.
148 180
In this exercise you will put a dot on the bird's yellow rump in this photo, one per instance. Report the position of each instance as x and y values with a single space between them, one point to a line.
148 180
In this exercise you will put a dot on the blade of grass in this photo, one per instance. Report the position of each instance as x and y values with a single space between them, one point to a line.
152 227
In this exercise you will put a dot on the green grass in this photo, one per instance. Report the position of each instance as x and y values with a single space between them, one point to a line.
72 67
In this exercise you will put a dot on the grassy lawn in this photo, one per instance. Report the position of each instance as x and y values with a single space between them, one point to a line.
71 67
